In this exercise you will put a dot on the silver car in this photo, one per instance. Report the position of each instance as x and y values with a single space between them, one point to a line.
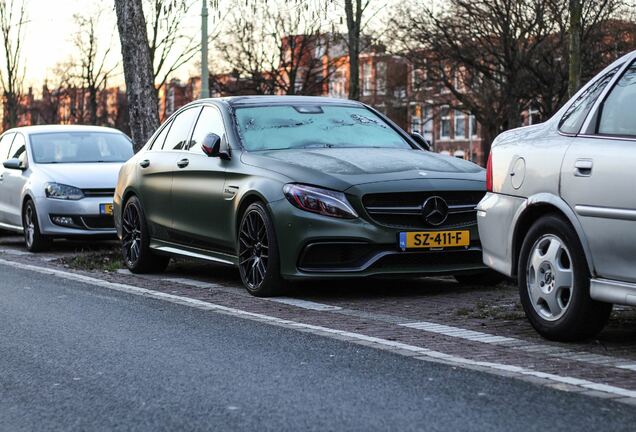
59 181
560 215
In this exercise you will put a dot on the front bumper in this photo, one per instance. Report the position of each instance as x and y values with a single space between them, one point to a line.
85 214
496 217
315 246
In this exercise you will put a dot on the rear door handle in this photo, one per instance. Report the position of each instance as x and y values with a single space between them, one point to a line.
1 177
583 167
144 163
183 163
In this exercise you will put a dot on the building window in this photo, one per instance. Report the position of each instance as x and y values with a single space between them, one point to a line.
460 125
445 123
418 79
367 82
472 125
534 116
380 78
337 84
427 120
416 124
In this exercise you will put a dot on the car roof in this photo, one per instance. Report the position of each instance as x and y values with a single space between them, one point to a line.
27 130
284 100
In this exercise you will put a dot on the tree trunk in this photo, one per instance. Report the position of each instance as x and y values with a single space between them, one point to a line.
576 12
92 105
354 22
138 71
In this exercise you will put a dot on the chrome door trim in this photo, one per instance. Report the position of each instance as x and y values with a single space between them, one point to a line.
11 227
178 251
606 212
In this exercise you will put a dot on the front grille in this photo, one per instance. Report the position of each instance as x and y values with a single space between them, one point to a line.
404 209
109 193
98 222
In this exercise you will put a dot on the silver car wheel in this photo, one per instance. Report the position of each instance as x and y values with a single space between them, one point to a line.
29 226
550 277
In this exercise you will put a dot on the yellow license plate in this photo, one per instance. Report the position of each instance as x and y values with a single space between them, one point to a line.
106 209
434 239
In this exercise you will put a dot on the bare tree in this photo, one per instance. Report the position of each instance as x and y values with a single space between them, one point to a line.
281 53
92 69
171 47
12 28
138 70
495 58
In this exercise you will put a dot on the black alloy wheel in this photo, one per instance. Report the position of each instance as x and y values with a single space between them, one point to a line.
135 241
258 253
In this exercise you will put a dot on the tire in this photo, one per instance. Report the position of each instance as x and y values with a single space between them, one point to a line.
135 245
486 278
259 257
34 240
552 259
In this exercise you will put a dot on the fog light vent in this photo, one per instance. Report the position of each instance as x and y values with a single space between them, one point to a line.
63 220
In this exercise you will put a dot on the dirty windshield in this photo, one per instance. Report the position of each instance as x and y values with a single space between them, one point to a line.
281 127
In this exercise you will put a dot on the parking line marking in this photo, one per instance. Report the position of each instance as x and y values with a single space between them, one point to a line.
446 330
305 304
394 346
521 345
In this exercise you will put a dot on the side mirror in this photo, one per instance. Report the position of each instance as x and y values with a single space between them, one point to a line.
212 146
14 164
421 141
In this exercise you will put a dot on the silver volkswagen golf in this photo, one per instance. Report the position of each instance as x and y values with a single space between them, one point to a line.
59 181
560 215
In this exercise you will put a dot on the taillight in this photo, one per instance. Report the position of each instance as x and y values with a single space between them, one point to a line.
489 173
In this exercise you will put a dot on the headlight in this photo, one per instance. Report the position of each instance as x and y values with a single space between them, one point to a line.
322 201
63 192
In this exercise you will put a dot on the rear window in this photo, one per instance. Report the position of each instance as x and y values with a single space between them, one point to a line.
80 147
573 119
281 127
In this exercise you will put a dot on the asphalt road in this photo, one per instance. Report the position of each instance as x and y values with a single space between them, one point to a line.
79 357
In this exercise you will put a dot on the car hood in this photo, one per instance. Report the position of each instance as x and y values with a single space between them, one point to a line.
83 175
342 168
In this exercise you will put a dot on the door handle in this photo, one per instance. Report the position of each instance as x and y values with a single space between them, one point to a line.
583 167
144 163
1 177
183 163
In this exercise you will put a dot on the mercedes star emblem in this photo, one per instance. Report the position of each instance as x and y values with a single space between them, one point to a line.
435 210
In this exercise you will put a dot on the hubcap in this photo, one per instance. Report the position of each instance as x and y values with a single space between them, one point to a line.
253 249
550 277
131 239
29 225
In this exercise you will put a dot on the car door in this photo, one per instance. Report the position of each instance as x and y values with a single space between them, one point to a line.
599 179
5 146
14 180
201 214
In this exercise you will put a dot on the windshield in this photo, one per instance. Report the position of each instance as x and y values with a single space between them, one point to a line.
80 147
282 127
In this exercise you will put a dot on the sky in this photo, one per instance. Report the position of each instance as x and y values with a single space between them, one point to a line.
50 29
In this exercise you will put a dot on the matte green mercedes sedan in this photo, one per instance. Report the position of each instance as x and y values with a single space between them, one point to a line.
290 188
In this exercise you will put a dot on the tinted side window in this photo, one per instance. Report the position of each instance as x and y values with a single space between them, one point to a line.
577 112
18 148
210 121
5 146
177 138
161 138
617 112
